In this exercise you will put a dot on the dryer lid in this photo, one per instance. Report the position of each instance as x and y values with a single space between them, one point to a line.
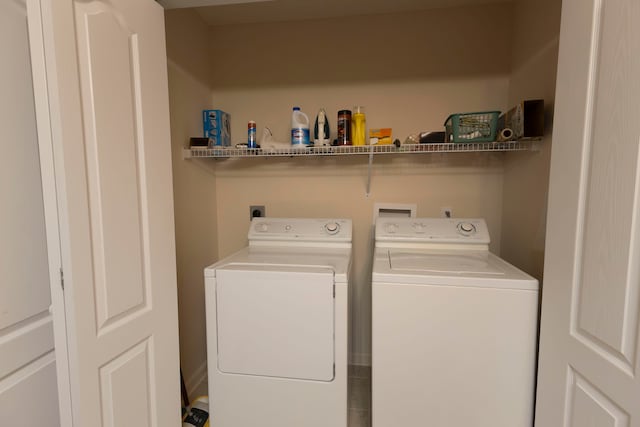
289 259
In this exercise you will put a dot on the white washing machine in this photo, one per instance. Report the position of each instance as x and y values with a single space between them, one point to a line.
454 328
277 326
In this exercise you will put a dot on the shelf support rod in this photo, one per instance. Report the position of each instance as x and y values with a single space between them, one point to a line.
369 168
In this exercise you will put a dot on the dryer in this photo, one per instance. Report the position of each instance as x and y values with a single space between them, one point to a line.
454 328
277 326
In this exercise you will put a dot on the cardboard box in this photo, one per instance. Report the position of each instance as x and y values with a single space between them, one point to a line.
526 119
380 136
216 125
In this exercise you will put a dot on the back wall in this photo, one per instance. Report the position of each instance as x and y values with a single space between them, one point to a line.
410 71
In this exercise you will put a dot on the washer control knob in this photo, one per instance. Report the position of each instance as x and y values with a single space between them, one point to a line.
332 227
287 227
391 228
466 228
262 227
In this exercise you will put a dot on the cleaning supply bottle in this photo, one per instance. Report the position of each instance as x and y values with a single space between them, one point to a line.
321 129
299 128
359 126
344 127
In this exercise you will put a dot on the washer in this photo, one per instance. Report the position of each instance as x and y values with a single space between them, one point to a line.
277 326
454 328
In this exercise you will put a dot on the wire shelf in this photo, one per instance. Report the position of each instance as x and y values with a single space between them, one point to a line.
228 152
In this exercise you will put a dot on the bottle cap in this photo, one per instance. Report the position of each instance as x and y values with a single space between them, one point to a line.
296 108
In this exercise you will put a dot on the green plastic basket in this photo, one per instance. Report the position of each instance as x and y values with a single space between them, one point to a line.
472 127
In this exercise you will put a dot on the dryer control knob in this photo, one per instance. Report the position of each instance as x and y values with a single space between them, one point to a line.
332 227
466 228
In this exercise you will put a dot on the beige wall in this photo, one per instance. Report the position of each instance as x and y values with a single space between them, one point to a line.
410 71
526 177
194 184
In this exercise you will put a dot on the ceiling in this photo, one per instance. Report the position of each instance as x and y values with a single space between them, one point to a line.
254 11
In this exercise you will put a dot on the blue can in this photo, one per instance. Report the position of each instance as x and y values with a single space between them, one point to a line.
251 140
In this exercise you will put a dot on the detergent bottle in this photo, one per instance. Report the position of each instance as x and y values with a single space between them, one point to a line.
359 126
299 128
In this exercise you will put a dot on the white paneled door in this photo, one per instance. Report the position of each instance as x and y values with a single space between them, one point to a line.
27 359
589 371
109 112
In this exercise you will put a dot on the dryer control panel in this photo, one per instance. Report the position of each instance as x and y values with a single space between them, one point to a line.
433 230
300 230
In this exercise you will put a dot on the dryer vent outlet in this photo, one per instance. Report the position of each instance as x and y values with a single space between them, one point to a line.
256 211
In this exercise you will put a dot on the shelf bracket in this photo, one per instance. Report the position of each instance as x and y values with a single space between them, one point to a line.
369 169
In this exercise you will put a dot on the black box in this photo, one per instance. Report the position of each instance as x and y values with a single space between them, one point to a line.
526 119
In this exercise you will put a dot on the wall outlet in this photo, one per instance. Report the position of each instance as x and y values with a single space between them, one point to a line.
446 212
256 211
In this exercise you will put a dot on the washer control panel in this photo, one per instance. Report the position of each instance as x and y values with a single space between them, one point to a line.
300 229
433 230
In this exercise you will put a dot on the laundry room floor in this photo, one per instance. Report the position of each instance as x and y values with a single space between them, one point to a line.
359 396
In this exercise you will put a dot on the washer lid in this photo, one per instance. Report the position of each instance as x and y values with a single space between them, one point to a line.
455 268
447 263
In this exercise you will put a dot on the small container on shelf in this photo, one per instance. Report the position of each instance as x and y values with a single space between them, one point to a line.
344 127
359 126
251 135
472 127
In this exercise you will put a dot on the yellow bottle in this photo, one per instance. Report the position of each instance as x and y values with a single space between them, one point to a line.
358 126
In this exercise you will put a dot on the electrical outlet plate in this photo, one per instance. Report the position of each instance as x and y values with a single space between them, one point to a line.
256 211
446 212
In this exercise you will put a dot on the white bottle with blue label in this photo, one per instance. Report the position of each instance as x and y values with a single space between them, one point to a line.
299 128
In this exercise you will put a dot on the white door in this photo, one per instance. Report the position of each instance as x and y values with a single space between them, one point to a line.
28 387
108 95
589 365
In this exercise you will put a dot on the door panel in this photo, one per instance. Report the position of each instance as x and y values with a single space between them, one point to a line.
27 396
109 56
109 106
127 402
605 316
589 407
27 361
24 272
589 328
25 342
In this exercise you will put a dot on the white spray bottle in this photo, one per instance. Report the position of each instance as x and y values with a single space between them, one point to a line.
321 129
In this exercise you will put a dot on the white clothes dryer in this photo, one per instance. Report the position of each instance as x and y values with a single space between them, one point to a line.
454 328
277 326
